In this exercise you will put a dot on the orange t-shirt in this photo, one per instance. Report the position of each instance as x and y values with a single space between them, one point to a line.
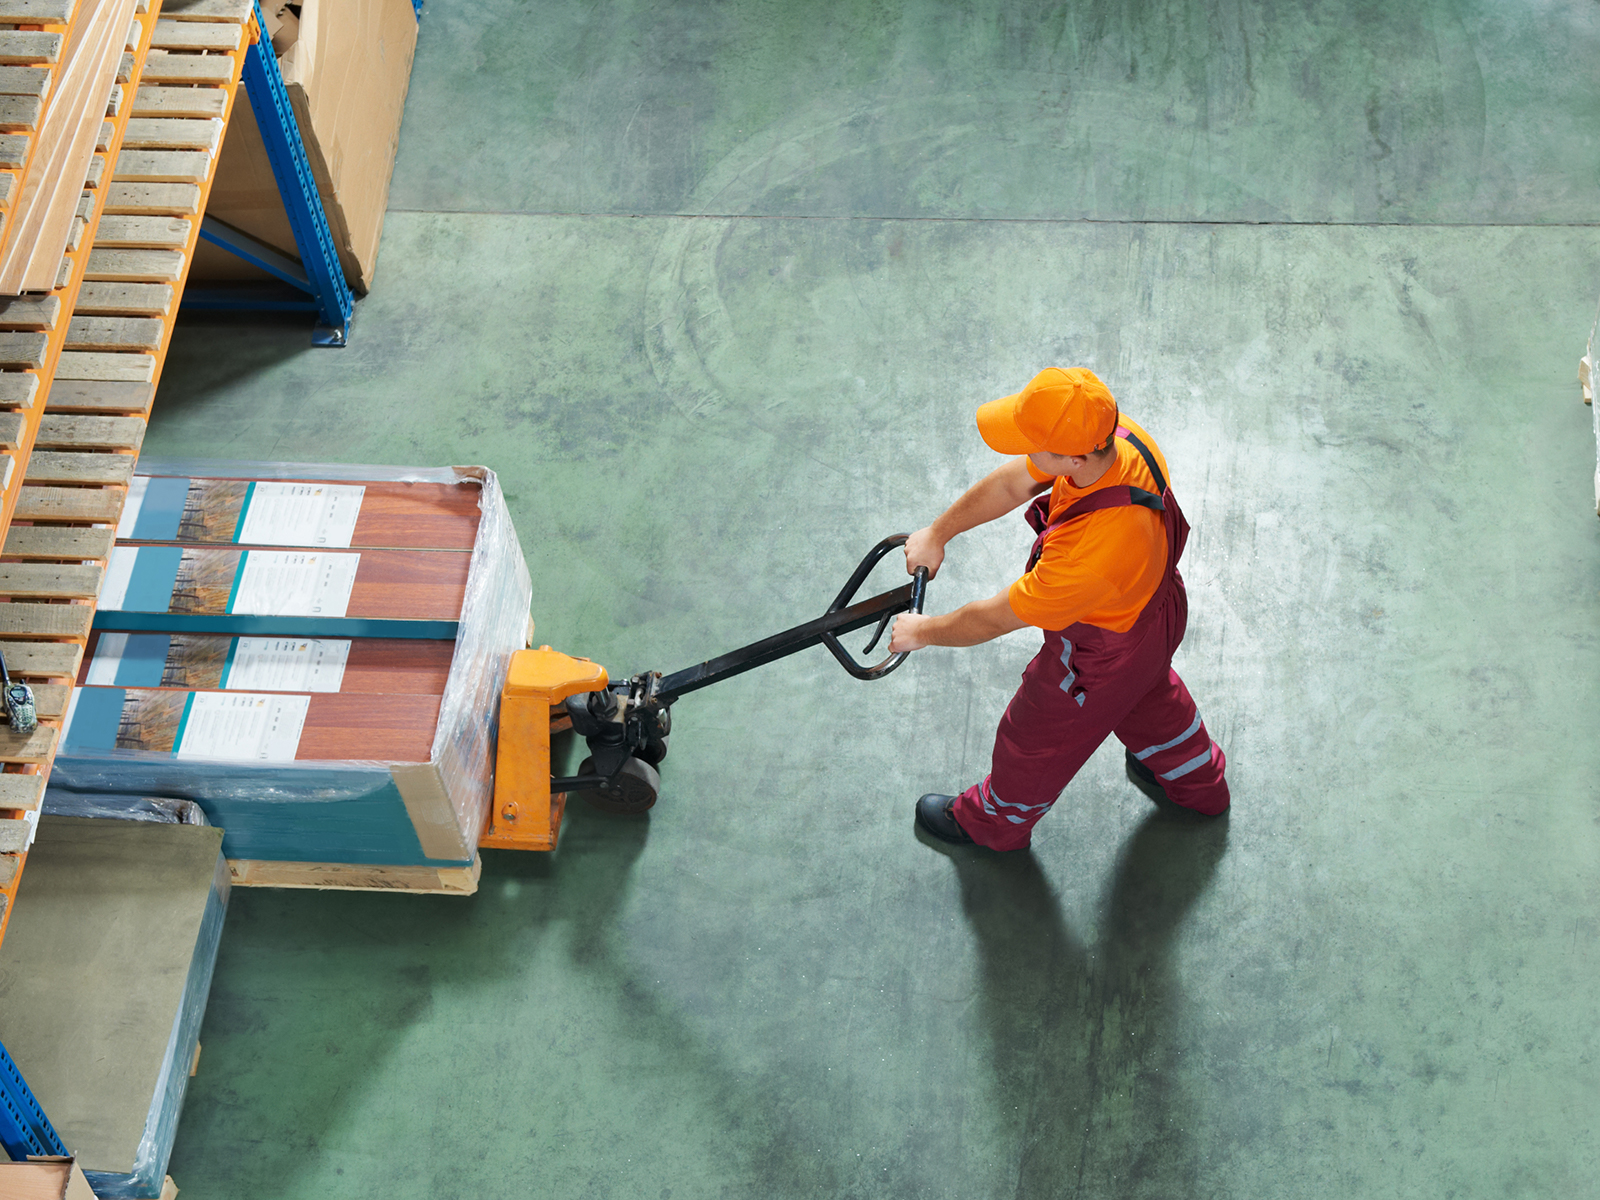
1103 567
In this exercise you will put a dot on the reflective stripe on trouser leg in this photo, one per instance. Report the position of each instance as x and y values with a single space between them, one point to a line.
1044 738
1164 731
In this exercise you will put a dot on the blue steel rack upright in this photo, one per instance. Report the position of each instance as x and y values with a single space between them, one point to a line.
316 282
24 1129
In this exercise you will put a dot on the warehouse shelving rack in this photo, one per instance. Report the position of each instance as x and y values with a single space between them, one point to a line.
82 364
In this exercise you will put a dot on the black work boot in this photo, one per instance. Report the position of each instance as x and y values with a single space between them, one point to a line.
1143 778
933 816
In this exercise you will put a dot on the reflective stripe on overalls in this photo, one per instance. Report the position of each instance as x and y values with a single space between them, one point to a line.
1087 683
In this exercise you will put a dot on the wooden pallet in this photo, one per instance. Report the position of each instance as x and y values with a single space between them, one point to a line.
79 365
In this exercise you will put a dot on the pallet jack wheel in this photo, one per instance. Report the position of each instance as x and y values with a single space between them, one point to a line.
653 752
633 790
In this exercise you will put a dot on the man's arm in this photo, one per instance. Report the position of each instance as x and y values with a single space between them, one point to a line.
997 493
980 621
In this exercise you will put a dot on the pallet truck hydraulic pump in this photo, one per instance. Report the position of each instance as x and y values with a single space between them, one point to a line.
627 723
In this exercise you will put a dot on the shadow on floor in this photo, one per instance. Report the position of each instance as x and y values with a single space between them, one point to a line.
1084 1038
213 351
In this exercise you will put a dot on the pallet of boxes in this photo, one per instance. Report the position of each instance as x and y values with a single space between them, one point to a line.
313 656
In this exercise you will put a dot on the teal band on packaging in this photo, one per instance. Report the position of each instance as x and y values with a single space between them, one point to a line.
244 625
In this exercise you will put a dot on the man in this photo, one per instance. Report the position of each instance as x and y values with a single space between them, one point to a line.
1103 584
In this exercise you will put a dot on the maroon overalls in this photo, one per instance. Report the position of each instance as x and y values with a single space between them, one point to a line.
1087 682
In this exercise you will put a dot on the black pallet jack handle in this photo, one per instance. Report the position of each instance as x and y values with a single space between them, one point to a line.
627 723
842 617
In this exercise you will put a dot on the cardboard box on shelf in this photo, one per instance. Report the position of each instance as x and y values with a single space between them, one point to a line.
346 65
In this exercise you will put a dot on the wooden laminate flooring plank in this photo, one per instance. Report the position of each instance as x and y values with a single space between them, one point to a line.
160 67
60 432
134 266
26 349
69 466
30 312
18 48
18 388
50 659
162 166
50 699
36 12
64 542
196 35
11 430
102 505
36 747
139 334
174 133
20 619
23 792
20 114
116 231
153 199
124 299
42 223
154 101
25 81
237 11
118 368
98 396
50 581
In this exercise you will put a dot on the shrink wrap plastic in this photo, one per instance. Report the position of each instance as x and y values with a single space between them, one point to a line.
161 1124
354 811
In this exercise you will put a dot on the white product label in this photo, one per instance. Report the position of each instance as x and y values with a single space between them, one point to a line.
137 487
107 660
292 583
32 818
244 727
119 573
287 664
301 514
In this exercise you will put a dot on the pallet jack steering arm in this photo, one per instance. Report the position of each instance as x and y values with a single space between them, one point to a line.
627 723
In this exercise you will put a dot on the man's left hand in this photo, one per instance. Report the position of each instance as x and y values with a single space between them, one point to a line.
904 634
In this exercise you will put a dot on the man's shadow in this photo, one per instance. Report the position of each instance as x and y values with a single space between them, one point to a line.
1087 1061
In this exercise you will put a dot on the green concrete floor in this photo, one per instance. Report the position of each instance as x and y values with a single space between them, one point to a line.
715 288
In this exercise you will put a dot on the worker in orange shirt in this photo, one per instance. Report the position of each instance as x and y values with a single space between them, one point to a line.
1102 583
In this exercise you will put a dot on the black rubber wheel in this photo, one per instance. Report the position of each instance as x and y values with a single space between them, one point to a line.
653 752
632 790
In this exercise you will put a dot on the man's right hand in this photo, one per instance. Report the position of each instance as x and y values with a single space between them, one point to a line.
924 549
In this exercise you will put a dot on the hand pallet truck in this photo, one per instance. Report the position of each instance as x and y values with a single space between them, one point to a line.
626 723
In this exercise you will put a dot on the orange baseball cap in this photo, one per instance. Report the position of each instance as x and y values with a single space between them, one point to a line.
1061 411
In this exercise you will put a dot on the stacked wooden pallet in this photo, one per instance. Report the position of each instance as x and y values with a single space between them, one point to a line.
81 362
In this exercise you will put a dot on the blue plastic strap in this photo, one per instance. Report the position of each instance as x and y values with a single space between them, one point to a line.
24 1129
280 134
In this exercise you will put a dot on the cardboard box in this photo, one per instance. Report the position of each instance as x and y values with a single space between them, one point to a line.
346 65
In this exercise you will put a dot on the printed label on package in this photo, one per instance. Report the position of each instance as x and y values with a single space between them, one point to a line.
288 664
293 583
243 727
301 514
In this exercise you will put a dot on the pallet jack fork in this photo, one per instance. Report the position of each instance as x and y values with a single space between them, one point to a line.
627 723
